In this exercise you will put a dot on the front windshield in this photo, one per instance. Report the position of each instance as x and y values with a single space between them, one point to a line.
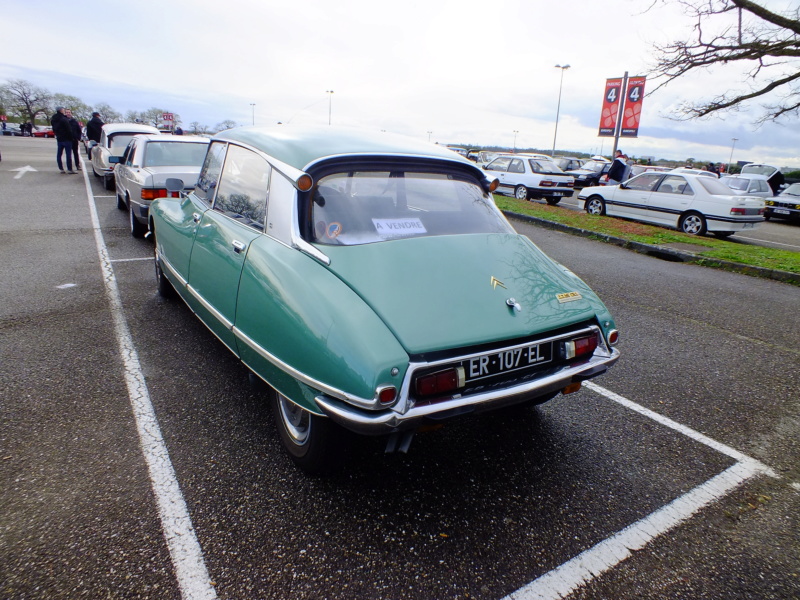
714 186
792 190
594 165
174 154
736 183
374 206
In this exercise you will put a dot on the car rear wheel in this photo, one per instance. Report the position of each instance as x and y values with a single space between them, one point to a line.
521 192
553 201
108 182
121 203
315 444
595 205
138 229
693 223
723 234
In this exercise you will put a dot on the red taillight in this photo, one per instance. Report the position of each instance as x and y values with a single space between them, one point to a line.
547 183
441 382
613 337
387 395
580 347
736 210
152 194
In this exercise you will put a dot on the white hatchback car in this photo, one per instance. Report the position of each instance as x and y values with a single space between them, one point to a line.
142 171
691 203
526 176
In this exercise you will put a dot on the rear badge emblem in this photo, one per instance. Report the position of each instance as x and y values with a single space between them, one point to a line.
495 282
568 297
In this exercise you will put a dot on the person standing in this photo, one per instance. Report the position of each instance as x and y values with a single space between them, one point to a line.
616 174
93 130
75 127
63 133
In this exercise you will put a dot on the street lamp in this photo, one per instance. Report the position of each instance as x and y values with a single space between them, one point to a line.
558 109
253 109
330 97
731 158
429 135
515 140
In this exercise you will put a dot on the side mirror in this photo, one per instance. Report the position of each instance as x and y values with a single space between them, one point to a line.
173 184
115 159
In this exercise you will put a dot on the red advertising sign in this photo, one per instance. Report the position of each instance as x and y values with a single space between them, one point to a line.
633 107
167 117
608 117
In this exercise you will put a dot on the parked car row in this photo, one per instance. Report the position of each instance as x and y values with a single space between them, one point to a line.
320 258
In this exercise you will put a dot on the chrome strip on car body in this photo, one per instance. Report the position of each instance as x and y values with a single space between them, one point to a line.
302 377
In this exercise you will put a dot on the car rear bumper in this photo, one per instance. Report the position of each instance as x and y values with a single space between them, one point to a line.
368 422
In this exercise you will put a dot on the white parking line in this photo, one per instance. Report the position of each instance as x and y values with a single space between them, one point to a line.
116 260
184 549
741 237
590 564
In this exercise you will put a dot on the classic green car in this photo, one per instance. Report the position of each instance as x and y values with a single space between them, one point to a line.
370 280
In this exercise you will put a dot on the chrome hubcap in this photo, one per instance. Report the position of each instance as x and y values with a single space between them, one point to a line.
295 420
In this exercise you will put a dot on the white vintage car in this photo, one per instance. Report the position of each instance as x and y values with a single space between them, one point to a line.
113 141
141 172
691 203
527 176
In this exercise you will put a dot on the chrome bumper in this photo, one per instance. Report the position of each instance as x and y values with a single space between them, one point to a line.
368 422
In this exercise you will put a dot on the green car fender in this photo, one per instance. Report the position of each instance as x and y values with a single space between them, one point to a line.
303 330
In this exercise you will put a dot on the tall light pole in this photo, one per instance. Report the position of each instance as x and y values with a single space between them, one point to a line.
330 97
731 158
515 140
558 109
429 135
253 109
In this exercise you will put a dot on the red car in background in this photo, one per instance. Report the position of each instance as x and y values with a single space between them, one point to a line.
43 132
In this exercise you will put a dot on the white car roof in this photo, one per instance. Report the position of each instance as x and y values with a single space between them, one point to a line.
112 128
161 137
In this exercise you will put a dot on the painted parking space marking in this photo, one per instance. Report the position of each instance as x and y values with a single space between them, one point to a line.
604 556
184 549
117 260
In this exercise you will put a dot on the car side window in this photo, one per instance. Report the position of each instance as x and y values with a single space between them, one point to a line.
127 156
209 174
499 164
643 183
673 184
244 187
516 166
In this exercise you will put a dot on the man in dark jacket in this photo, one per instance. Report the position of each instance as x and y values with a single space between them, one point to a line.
63 133
75 127
616 174
93 130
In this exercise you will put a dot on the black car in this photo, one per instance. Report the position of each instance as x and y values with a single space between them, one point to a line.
591 173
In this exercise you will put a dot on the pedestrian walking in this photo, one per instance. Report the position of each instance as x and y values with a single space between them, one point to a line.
75 127
63 133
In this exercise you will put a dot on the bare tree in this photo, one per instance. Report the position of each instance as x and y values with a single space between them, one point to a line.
24 99
736 33
80 110
108 114
224 125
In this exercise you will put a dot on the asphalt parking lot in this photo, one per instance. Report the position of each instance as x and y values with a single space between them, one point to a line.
137 461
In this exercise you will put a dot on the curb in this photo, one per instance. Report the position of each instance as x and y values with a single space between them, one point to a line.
663 252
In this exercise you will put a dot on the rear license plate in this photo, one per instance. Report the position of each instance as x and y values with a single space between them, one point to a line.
558 193
749 225
781 211
507 361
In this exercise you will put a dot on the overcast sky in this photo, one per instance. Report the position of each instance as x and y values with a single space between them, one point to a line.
452 71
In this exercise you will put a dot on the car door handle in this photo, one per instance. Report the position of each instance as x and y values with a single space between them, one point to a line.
238 246
196 217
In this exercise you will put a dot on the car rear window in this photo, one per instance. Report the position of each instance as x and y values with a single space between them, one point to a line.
174 154
735 183
375 206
